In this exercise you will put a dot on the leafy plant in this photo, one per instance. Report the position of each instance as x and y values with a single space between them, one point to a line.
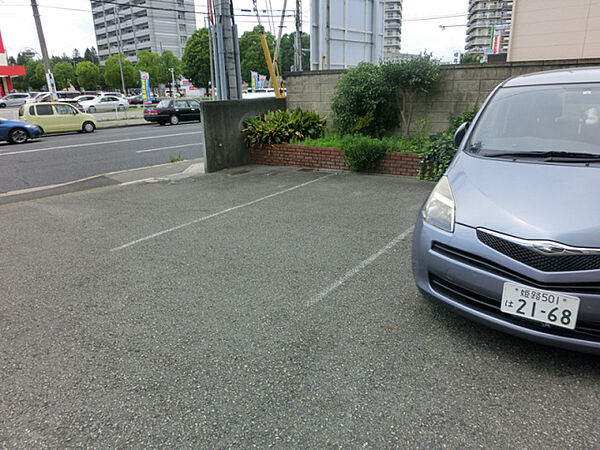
441 150
364 102
411 78
362 152
275 127
175 158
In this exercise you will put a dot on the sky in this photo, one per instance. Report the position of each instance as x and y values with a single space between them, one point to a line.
68 24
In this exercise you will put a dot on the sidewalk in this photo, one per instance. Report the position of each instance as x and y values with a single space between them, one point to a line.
163 172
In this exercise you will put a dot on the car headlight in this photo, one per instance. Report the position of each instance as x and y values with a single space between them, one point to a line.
440 206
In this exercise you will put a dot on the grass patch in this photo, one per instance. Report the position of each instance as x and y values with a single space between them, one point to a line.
175 158
391 144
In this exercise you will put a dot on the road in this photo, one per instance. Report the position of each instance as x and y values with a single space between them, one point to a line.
258 307
60 158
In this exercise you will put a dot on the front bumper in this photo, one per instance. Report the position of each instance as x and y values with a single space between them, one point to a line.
34 132
459 271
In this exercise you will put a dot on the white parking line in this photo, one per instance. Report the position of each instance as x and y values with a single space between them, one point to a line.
165 148
210 216
351 273
97 143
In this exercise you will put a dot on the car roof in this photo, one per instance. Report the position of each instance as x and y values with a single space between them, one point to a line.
562 76
49 103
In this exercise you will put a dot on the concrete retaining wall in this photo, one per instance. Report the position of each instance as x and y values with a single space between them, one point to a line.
224 144
462 86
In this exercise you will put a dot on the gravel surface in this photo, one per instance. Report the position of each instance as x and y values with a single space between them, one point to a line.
214 334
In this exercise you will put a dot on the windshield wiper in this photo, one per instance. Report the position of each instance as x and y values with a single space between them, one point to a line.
551 156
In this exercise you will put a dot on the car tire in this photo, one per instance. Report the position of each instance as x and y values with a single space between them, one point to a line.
88 127
18 136
92 109
2 105
174 119
120 108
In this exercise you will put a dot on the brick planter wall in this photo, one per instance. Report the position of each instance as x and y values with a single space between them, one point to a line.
329 158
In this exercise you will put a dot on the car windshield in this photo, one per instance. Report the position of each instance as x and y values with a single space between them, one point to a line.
163 104
540 120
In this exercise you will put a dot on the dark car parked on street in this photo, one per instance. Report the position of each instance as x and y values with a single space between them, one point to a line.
174 111
510 236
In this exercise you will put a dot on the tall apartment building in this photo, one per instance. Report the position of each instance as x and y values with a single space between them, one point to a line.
483 16
392 24
153 25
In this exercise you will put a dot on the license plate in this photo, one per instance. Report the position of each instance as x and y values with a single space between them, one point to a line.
543 306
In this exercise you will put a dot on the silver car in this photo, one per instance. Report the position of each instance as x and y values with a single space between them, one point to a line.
510 236
13 100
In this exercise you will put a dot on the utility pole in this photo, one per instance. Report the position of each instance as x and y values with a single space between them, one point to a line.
47 69
172 70
298 38
226 52
210 53
119 48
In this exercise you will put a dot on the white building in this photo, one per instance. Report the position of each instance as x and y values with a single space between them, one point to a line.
485 16
152 25
344 33
392 25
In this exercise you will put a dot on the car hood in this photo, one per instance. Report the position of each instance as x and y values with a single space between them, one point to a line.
557 202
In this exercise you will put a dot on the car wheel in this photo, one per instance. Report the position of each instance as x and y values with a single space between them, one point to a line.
92 109
18 136
174 120
120 108
2 105
88 127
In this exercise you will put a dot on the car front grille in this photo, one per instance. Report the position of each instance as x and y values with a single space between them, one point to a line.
544 263
501 271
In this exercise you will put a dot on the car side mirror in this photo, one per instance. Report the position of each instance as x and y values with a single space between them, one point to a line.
460 134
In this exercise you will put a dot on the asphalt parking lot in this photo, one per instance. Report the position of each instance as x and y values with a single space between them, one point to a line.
262 307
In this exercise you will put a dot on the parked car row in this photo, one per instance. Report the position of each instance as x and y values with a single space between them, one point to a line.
45 117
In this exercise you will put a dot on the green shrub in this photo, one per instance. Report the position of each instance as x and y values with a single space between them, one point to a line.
363 102
362 152
441 150
275 127
411 79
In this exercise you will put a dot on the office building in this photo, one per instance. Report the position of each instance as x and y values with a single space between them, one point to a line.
152 25
555 29
392 25
485 19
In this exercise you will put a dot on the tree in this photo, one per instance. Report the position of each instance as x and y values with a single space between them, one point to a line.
195 63
88 75
252 57
411 79
37 77
151 63
286 52
112 73
471 58
91 55
169 60
22 58
64 75
76 57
